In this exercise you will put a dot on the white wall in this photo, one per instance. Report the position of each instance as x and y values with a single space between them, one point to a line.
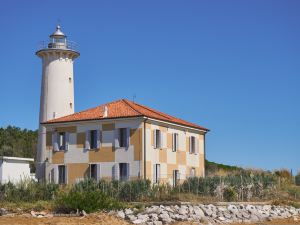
14 171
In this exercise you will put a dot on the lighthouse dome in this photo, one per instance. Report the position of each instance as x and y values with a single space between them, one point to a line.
58 33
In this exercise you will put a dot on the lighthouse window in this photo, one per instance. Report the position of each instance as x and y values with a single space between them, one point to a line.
70 79
71 105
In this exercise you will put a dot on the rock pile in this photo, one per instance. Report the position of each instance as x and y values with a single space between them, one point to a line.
208 214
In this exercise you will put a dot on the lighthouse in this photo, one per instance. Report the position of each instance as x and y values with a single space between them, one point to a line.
57 87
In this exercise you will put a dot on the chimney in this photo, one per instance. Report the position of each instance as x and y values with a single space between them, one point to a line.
105 114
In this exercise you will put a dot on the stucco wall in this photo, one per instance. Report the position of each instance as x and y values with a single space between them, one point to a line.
169 160
14 171
108 155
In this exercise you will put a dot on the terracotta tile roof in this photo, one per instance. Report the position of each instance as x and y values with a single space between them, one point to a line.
120 109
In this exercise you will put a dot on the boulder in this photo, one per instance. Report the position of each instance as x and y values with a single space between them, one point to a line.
208 212
198 211
157 223
128 211
121 214
138 221
183 210
165 217
233 209
3 211
266 207
132 217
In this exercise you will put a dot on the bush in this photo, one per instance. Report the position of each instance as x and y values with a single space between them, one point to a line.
27 191
88 200
284 175
229 194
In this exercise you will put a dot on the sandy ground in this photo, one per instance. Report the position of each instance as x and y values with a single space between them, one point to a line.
98 219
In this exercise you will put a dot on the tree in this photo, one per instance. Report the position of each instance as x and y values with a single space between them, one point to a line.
18 143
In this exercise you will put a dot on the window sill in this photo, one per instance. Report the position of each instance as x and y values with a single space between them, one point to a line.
93 149
125 148
61 150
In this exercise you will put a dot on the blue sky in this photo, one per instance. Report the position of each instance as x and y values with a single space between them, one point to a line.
232 66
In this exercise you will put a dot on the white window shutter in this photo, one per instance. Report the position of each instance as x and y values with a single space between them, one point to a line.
127 137
154 139
67 141
174 179
55 168
98 172
87 140
154 173
177 139
98 139
173 141
128 170
158 171
190 144
117 139
115 171
55 141
196 146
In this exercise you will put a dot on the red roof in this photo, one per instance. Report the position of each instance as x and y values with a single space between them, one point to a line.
121 109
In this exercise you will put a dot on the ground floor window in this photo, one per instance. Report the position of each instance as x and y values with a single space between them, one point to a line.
175 177
62 174
193 172
156 173
93 171
124 171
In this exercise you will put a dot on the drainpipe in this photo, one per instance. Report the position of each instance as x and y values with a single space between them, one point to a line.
204 171
145 149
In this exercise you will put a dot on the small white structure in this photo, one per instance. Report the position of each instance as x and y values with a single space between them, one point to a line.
14 169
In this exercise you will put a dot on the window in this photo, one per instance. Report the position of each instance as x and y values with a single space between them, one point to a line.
70 79
193 172
123 137
71 105
175 142
192 144
62 174
157 139
124 171
93 171
156 173
93 139
62 141
175 177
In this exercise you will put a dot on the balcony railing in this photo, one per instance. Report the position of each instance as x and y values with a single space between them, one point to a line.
68 45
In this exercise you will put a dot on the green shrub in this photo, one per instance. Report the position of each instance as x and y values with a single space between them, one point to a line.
89 201
229 194
27 191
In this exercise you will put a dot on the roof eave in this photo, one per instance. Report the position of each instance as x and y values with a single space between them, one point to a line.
124 117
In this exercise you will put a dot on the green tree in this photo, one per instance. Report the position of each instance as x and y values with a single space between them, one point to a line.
18 142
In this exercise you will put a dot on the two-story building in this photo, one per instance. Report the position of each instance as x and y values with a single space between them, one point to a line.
123 140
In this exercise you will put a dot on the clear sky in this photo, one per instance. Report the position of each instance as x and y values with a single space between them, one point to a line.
231 66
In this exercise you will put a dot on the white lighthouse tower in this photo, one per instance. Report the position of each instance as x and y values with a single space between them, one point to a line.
57 88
